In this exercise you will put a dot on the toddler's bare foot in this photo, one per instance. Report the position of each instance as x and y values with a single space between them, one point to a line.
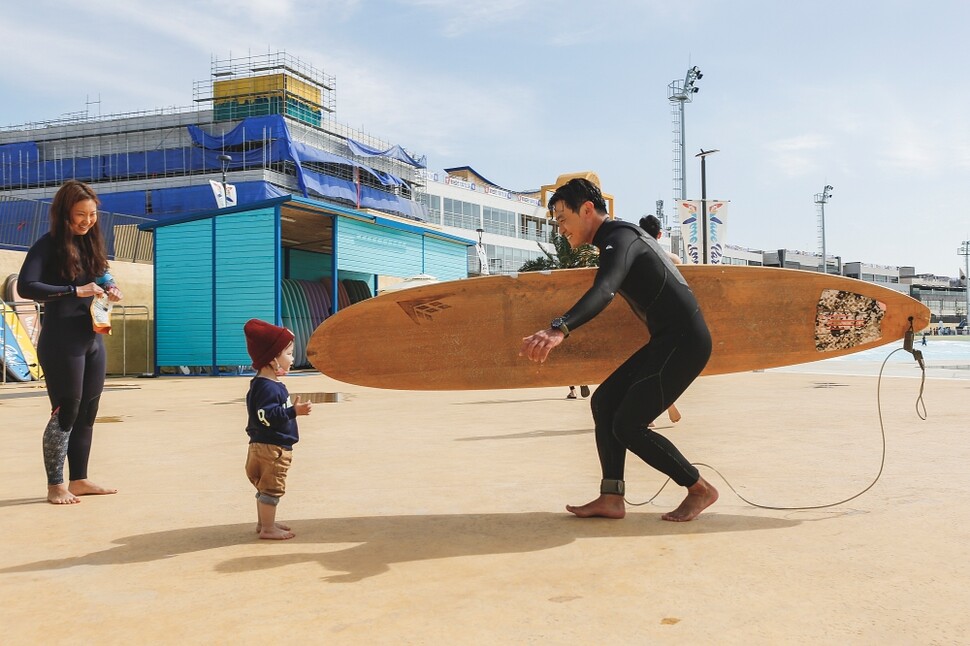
608 505
88 488
284 527
700 496
59 495
276 534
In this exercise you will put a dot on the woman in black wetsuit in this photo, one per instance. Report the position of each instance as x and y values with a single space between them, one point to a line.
65 269
635 266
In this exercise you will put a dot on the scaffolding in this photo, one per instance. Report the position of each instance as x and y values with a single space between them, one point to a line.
155 149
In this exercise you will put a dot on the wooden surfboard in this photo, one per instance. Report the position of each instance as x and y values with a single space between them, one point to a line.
466 334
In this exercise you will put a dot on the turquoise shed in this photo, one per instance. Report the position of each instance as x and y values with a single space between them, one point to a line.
289 260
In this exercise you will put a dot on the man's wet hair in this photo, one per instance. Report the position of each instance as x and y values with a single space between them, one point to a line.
575 193
650 224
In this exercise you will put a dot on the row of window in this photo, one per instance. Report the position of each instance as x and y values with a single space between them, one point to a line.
468 215
501 260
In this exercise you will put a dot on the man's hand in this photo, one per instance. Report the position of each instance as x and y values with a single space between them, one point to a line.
538 346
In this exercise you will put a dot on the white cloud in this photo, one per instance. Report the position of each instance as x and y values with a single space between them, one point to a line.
798 156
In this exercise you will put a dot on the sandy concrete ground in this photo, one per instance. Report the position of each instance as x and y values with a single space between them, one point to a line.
437 518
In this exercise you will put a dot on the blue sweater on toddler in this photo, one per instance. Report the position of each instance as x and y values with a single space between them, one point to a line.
272 418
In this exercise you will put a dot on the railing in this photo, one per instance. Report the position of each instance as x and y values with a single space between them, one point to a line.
124 313
132 311
22 222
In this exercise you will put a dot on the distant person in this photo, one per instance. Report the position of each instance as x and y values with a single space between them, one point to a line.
634 266
584 390
924 339
651 224
65 269
272 427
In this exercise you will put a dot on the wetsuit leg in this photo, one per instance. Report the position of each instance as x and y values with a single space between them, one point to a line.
637 392
62 373
79 448
74 366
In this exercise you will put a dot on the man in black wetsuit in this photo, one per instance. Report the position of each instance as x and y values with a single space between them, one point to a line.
635 266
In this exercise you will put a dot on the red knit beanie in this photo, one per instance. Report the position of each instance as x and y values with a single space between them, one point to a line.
265 341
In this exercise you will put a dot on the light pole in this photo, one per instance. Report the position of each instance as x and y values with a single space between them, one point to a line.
678 93
821 199
225 159
704 225
964 251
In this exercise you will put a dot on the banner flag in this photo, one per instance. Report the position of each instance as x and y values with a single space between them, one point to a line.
716 230
482 258
223 198
690 233
688 212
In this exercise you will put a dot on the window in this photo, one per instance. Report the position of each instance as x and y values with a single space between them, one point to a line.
463 215
499 221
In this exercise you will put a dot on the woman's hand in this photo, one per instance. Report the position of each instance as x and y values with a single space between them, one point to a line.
114 294
91 289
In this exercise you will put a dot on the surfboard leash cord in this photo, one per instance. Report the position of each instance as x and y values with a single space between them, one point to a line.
920 412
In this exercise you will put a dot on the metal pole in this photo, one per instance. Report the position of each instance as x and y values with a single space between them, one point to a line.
825 265
704 258
683 154
964 251
703 220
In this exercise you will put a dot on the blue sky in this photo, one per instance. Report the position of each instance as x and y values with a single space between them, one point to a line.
868 96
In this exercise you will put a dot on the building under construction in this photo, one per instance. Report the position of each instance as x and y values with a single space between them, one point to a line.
265 120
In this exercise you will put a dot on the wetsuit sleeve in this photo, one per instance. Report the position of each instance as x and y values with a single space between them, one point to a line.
105 280
616 259
30 282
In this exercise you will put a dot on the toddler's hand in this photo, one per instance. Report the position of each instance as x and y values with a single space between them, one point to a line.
302 408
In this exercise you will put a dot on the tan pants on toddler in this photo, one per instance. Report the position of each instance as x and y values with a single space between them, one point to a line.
266 468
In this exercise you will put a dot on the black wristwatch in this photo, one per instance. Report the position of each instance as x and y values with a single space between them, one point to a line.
559 323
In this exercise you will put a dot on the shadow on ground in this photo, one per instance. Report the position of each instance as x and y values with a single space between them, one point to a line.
381 541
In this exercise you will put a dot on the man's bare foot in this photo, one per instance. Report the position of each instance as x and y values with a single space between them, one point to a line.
59 495
608 505
88 488
700 496
276 534
284 527
673 414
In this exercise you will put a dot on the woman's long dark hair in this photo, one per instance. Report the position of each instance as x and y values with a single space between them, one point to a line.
78 255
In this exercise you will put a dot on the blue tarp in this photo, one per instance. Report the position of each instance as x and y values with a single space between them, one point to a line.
21 167
394 152
171 202
249 130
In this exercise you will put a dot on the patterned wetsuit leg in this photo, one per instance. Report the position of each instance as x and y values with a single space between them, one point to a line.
638 392
74 363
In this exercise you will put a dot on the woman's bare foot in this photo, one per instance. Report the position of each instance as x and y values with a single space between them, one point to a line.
608 505
276 534
88 488
59 495
283 526
700 496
